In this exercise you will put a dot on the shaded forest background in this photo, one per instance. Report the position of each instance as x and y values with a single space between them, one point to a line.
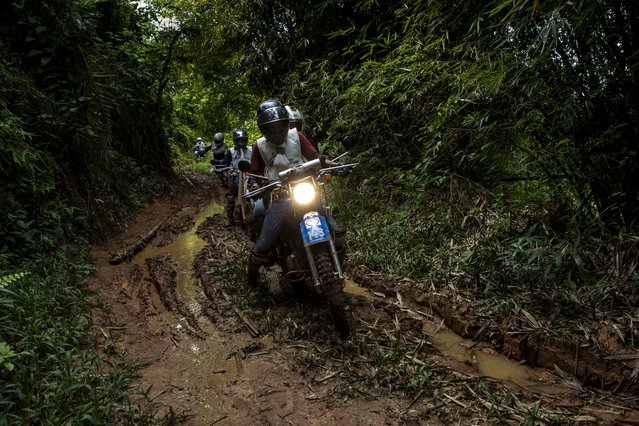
498 141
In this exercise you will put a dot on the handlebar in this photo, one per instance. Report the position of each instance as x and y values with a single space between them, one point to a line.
339 170
261 190
305 168
293 173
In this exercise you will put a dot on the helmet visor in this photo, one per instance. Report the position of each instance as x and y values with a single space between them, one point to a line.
295 124
240 143
272 114
275 132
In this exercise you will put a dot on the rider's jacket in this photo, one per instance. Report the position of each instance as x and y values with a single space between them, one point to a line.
291 150
219 151
237 155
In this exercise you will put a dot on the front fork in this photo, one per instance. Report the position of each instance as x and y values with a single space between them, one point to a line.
317 281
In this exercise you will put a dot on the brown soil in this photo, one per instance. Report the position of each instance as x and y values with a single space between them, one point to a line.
215 352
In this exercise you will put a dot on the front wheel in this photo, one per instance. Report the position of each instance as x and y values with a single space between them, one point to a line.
333 293
245 205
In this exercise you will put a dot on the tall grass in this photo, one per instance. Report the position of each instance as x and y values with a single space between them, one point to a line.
507 253
57 375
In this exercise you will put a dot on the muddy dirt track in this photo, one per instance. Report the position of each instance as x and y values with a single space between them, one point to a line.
212 351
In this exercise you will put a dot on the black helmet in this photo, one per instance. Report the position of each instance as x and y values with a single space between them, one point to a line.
240 134
271 103
218 138
295 117
272 119
240 138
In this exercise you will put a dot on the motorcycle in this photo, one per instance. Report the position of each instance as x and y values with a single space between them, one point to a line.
198 154
240 176
307 255
221 171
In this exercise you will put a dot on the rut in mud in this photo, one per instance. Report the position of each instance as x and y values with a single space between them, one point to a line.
215 352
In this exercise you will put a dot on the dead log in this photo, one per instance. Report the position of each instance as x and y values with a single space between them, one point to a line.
135 248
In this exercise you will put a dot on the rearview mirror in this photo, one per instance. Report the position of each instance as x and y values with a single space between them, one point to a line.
348 142
244 166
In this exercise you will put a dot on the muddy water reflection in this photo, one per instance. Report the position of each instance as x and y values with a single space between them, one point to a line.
475 361
351 287
204 361
480 362
183 250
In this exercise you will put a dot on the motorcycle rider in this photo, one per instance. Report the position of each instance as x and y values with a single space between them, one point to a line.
199 149
296 121
240 151
219 149
279 149
295 118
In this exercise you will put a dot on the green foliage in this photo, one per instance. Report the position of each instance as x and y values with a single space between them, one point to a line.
5 280
5 354
49 370
488 93
207 89
5 302
15 147
80 133
396 366
81 141
495 251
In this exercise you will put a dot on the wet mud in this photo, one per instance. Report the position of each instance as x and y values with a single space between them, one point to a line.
213 351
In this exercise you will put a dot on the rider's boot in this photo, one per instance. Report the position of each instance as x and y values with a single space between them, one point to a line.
230 209
253 269
340 246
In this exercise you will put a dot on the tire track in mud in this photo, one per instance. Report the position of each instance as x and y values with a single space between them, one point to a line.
163 273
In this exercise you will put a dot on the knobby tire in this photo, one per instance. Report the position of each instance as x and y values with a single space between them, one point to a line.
333 293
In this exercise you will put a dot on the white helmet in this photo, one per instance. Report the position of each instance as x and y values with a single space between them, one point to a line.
295 117
199 139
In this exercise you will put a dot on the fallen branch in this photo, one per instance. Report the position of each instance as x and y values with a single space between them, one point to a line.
419 395
461 404
622 357
249 324
325 378
252 328
135 248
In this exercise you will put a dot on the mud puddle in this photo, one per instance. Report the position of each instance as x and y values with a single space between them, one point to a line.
475 361
212 359
483 363
183 251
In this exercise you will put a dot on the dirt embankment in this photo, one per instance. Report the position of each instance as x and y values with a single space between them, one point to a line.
214 352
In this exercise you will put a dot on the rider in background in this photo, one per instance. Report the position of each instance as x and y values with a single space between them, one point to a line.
295 118
240 151
219 149
199 149
296 121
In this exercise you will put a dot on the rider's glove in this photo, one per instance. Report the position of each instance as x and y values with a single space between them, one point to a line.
252 184
327 163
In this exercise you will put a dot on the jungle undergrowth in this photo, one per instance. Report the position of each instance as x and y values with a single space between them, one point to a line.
509 257
57 374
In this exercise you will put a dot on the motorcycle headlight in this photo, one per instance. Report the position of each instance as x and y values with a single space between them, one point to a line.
304 193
